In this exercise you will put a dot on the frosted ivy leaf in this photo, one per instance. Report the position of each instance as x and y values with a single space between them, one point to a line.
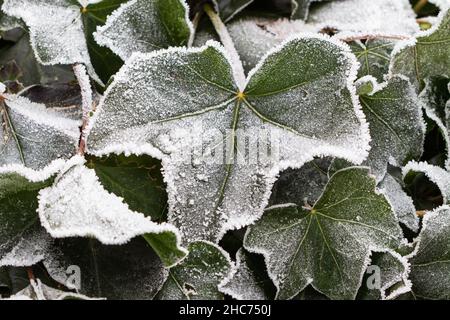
39 291
129 271
328 246
435 174
145 26
229 8
401 203
430 263
434 97
199 275
393 277
366 17
426 55
253 37
32 135
30 248
88 210
394 113
19 187
249 280
374 57
56 30
301 186
214 182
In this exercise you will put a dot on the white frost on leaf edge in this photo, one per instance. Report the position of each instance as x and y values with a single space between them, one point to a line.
39 113
436 174
91 211
407 285
38 175
111 19
403 44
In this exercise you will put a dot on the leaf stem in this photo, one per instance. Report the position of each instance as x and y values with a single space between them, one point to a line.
227 42
87 102
419 5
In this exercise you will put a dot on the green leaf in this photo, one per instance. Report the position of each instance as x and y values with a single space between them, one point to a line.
61 32
401 203
136 179
104 61
213 186
374 57
428 55
328 246
145 26
430 263
435 96
396 126
435 174
198 276
250 280
91 211
129 271
32 135
17 49
392 279
229 8
301 186
19 188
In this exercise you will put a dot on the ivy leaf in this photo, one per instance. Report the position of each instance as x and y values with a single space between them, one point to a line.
394 113
19 187
204 168
301 186
145 26
328 246
199 275
105 62
374 57
394 18
129 271
18 49
138 180
435 174
434 97
430 263
229 8
91 211
249 280
253 37
401 203
393 277
30 247
427 55
39 291
33 135
61 31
